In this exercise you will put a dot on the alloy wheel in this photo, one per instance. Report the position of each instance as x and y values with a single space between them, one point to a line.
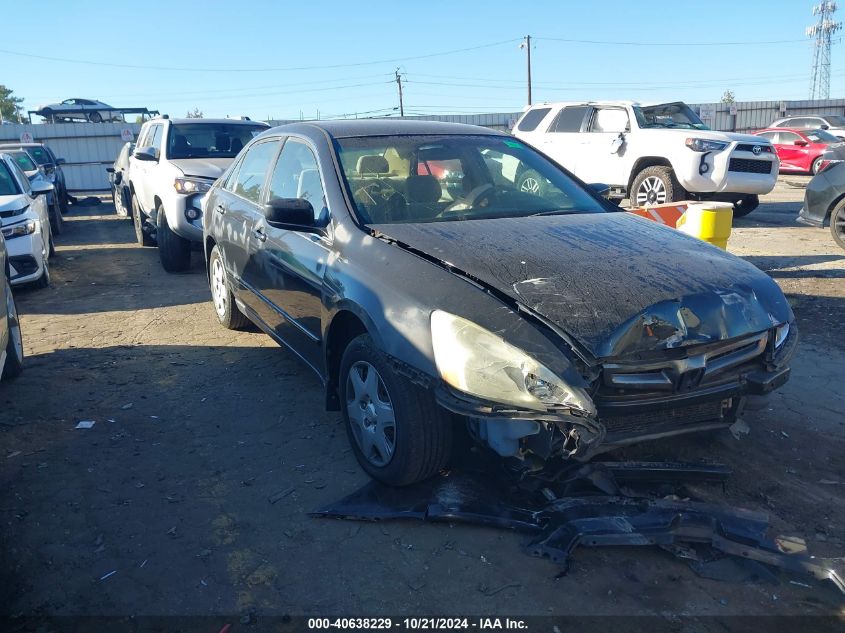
530 185
371 414
652 190
219 291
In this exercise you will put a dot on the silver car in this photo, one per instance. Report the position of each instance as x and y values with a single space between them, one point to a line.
79 110
11 342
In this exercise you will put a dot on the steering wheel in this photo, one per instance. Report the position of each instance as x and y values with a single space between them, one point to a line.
481 196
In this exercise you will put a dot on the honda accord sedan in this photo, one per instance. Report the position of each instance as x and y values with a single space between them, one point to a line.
400 261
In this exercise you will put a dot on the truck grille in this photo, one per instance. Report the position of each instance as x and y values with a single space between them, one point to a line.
749 147
751 166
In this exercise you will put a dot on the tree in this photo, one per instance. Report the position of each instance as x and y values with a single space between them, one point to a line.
728 96
195 114
10 110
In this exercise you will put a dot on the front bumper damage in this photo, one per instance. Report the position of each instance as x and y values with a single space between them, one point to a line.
593 505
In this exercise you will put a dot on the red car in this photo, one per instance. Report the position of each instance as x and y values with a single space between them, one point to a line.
800 150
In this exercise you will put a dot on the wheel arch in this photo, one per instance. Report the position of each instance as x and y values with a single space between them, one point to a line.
831 207
643 163
346 324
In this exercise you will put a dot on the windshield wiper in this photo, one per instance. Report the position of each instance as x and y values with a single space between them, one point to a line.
554 212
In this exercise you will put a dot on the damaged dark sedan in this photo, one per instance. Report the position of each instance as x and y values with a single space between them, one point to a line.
430 293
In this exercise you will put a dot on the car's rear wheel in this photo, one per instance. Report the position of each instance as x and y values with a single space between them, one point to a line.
95 117
55 215
837 223
141 235
63 200
817 165
745 205
174 251
227 311
398 432
656 185
14 347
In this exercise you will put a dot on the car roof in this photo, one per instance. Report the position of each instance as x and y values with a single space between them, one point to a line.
381 127
209 121
20 145
798 130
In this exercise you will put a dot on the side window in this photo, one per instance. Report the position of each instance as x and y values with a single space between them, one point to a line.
532 119
296 176
788 138
569 119
155 139
253 169
231 178
769 136
609 120
142 137
785 123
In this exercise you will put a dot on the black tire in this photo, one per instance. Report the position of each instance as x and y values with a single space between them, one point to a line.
14 347
173 251
745 205
837 223
44 280
56 224
817 164
659 186
120 198
63 200
422 432
226 310
52 245
141 236
530 181
95 117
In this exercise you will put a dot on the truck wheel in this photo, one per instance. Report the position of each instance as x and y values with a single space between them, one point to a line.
656 185
227 311
14 348
173 251
399 434
745 205
817 164
531 181
837 223
141 236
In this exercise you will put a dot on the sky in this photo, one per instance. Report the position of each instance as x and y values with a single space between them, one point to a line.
287 60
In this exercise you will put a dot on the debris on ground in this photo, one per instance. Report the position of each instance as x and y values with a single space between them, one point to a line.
280 495
85 424
739 428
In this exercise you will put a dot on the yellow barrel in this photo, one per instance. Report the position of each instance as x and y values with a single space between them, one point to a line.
708 221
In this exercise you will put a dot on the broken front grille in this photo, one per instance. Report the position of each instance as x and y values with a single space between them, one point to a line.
664 420
751 166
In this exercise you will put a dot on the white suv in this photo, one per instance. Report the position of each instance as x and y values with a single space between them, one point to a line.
650 153
174 163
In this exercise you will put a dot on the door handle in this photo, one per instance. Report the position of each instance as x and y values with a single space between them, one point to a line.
220 208
259 234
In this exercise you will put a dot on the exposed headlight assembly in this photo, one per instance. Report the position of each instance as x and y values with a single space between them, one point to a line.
705 145
191 185
781 334
19 230
476 361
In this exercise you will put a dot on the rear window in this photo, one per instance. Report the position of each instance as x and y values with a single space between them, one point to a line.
532 119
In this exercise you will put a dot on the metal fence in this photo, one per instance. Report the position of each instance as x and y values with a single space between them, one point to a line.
88 148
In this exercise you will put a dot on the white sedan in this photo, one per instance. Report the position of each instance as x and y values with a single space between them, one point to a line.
25 224
79 110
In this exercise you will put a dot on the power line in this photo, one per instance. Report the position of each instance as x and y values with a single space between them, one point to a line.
685 44
257 70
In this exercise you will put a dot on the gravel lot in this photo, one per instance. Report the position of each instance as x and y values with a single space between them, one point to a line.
196 427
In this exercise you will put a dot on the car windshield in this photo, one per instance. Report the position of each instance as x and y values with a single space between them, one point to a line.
24 161
669 115
820 136
8 186
209 140
398 179
835 120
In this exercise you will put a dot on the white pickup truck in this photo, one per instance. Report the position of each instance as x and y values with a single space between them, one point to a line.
650 153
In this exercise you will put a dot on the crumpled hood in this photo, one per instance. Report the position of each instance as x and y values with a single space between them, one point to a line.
616 283
203 167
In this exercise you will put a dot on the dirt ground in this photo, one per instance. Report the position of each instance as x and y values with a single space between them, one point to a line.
197 427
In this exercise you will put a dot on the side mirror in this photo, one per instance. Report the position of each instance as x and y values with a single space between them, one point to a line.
600 189
294 213
41 187
146 153
800 143
60 161
824 126
110 170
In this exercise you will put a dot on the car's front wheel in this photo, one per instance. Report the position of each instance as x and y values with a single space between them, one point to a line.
227 311
656 185
745 205
837 223
174 251
816 166
95 117
14 347
398 432
44 280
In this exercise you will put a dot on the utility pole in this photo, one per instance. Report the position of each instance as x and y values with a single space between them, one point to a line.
526 44
401 102
821 32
